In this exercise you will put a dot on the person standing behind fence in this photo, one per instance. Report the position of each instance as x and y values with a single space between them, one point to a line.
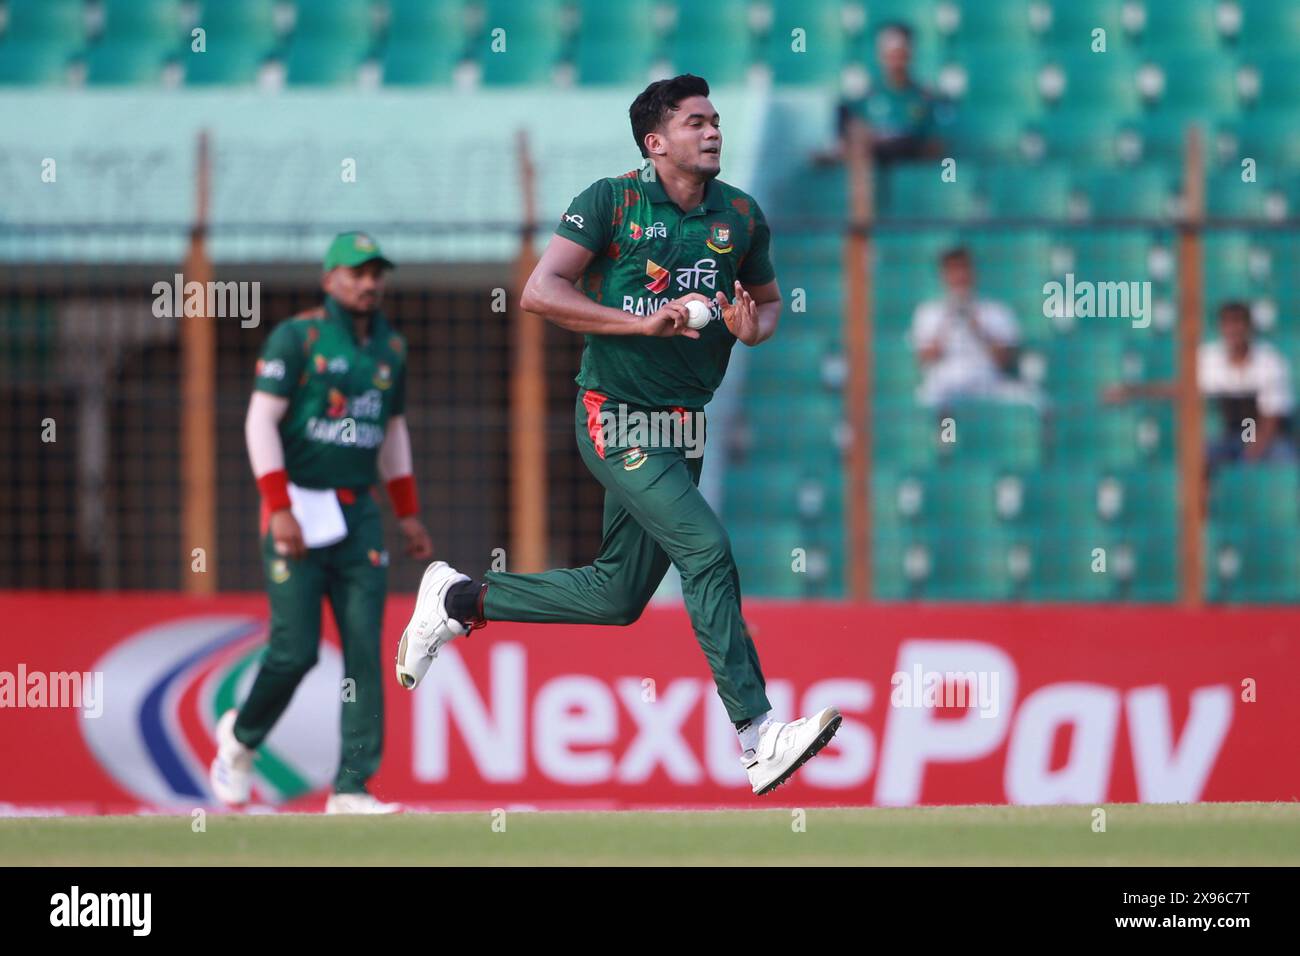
328 414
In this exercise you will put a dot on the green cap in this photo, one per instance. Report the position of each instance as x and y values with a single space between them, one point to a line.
352 249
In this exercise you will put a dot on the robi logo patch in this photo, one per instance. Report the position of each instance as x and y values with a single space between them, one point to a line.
637 231
659 276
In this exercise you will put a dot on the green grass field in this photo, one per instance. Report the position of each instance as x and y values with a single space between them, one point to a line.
1202 834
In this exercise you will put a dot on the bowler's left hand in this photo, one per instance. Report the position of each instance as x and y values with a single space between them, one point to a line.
742 316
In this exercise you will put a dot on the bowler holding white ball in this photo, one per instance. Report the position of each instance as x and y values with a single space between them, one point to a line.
640 264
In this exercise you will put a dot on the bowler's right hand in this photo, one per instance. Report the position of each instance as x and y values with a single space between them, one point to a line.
286 534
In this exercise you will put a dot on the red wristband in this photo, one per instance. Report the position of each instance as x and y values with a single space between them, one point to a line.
402 493
274 486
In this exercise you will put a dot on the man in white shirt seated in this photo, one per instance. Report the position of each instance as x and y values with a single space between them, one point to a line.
1248 380
966 345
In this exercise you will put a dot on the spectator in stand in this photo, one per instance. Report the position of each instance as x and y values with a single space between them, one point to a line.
1248 380
966 345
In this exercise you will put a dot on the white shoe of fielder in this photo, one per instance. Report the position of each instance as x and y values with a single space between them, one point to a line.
231 773
359 803
784 748
430 625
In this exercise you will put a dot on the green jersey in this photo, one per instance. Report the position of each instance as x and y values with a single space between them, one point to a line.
649 252
896 112
341 394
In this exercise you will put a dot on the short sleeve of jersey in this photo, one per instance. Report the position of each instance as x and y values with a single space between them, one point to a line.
757 268
281 362
589 218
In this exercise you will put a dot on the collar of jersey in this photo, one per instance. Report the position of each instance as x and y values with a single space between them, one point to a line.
337 313
713 201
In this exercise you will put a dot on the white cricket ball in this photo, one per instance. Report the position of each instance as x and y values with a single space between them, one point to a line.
698 314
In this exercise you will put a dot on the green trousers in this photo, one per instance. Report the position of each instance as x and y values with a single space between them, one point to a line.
654 514
353 574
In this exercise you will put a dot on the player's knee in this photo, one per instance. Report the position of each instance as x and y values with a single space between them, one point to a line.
291 663
627 607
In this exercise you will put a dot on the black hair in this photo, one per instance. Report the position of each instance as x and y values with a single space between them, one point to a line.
898 26
651 108
954 254
1235 308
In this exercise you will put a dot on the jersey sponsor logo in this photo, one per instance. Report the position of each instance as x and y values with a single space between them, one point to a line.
656 231
703 273
573 218
344 432
395 344
320 362
659 276
338 364
378 558
338 404
383 376
363 242
642 305
720 238
272 368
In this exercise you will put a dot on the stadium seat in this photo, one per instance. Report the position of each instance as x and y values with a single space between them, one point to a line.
224 66
782 424
616 42
1009 24
1277 82
1202 81
1256 496
1084 137
1132 192
1269 25
997 134
1071 25
248 25
1185 25
49 24
323 62
533 37
1252 565
334 22
1026 192
111 63
993 433
822 53
1228 197
425 42
1127 436
1093 82
919 192
712 40
994 80
32 65
1262 134
143 23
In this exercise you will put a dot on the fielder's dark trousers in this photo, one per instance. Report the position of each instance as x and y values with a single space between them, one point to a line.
353 575
654 515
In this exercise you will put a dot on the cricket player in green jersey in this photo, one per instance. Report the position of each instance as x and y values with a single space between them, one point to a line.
326 419
663 270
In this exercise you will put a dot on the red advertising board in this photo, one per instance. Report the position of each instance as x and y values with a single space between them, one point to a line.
942 705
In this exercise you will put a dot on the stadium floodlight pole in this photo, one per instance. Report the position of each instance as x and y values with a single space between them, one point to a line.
1191 444
857 344
528 478
198 437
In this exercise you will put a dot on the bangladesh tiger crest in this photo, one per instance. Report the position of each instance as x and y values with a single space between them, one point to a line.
719 238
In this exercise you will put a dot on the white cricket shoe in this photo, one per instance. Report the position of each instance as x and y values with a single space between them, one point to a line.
430 626
359 803
784 748
231 773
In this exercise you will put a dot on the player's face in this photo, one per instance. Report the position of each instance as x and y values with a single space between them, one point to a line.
692 137
959 277
357 288
894 53
1235 332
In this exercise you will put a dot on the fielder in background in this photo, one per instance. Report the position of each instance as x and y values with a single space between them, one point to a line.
327 417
